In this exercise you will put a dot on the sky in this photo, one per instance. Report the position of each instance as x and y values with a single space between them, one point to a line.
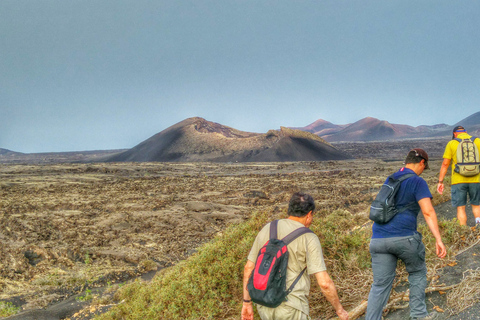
108 74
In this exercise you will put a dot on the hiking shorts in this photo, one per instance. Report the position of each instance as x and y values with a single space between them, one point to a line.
460 191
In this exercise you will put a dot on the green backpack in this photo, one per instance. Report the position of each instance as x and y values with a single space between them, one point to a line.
468 160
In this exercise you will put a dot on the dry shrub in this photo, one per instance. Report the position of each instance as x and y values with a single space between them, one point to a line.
147 265
345 248
466 294
353 287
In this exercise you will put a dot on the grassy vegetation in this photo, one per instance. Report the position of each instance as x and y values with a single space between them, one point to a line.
205 286
87 296
208 285
7 309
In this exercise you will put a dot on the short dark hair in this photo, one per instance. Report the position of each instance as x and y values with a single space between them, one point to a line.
300 204
416 156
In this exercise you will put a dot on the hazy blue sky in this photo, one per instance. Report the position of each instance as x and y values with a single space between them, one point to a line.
92 74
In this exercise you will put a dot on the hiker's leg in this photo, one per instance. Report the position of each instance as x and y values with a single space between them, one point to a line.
459 200
413 255
476 211
383 266
462 215
474 194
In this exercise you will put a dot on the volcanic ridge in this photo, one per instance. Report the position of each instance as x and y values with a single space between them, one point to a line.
196 139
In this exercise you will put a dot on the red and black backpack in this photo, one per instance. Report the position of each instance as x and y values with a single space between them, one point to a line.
267 283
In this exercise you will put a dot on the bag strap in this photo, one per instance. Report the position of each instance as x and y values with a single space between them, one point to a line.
410 205
406 176
407 207
295 282
273 229
291 236
287 239
295 234
472 138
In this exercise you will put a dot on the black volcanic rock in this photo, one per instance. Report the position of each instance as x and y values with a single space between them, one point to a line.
195 140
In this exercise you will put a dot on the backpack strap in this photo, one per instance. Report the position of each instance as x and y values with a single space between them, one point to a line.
273 229
295 234
295 282
289 238
410 205
472 138
406 176
407 207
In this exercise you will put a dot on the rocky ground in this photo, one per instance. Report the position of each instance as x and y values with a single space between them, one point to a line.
72 231
69 228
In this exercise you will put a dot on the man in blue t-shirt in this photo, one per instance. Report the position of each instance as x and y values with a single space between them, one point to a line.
399 239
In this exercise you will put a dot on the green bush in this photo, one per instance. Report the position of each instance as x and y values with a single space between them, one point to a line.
8 309
339 243
208 285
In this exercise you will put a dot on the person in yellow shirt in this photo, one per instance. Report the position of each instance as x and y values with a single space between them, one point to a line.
461 185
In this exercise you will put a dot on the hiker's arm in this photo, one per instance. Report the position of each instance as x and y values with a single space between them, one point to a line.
443 173
330 292
431 219
247 309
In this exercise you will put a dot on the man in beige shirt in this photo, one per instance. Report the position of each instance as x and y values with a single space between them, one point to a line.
305 251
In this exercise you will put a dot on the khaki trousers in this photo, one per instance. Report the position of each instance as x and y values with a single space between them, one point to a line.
282 312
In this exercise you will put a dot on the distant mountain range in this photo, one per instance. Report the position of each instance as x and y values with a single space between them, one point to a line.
372 129
6 152
196 139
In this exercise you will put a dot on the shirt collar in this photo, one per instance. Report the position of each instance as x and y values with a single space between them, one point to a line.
405 170
464 135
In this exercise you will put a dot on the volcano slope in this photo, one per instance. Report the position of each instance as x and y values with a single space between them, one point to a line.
197 140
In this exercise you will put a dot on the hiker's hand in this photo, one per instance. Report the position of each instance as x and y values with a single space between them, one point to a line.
440 187
247 311
441 249
342 314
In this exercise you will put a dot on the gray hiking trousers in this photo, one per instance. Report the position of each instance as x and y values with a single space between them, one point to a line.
385 253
